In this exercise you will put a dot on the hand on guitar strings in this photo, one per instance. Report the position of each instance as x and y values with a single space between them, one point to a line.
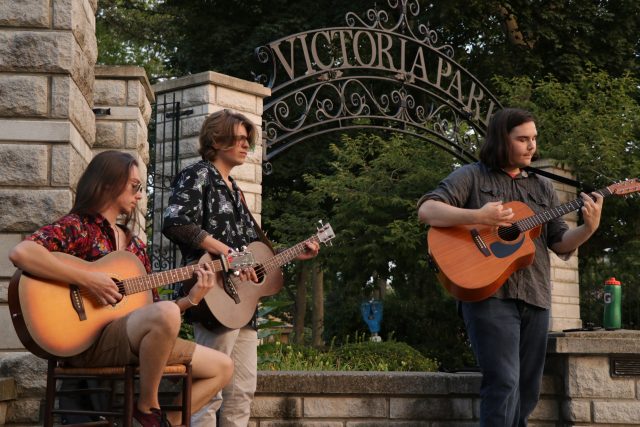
205 280
494 213
311 251
243 274
247 273
102 288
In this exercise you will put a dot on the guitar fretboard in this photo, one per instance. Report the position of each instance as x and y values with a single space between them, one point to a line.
156 280
546 216
287 255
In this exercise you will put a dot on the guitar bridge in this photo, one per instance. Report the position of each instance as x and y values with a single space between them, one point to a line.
76 301
480 244
230 288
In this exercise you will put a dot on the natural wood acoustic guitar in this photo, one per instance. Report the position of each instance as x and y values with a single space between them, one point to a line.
55 319
473 261
234 303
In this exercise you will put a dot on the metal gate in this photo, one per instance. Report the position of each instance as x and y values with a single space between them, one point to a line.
164 163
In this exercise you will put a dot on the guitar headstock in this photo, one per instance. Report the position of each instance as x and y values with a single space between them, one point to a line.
239 259
325 233
623 188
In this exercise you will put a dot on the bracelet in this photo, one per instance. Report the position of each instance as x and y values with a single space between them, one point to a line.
193 304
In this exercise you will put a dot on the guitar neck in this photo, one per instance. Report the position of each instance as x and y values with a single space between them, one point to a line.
157 280
287 255
546 216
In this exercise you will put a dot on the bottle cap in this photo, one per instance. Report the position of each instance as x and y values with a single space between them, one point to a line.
612 281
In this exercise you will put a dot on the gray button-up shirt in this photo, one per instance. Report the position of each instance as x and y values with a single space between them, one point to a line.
472 186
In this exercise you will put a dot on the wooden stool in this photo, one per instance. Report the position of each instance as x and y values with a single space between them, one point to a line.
127 374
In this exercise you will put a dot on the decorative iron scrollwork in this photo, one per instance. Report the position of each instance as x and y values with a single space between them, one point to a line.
377 72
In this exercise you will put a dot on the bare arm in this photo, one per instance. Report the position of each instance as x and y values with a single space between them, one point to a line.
37 260
440 214
591 212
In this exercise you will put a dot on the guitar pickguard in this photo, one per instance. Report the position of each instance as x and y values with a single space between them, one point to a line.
503 250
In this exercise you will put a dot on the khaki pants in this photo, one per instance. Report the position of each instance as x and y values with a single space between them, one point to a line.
235 399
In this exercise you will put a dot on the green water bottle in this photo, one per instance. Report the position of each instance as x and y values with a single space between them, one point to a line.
612 304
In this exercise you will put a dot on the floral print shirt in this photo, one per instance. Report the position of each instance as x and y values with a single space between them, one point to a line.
89 237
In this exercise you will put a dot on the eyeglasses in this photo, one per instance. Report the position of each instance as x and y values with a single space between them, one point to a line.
236 138
136 187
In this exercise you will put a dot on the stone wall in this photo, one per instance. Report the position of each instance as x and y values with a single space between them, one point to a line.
122 100
47 128
389 399
580 388
600 373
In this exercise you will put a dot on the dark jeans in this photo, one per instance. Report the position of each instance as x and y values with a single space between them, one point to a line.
509 339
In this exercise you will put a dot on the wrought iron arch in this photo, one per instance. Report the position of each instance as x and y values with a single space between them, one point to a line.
374 73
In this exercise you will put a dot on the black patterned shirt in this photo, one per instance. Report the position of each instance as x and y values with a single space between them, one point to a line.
201 204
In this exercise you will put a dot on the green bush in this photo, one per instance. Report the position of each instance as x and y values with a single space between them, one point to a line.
359 356
382 356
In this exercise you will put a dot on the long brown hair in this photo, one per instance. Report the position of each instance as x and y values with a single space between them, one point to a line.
494 153
218 129
105 178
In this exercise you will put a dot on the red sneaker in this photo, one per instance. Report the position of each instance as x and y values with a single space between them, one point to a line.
156 418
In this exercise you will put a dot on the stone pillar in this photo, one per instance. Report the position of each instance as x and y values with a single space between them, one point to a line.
198 96
122 99
565 290
600 371
47 55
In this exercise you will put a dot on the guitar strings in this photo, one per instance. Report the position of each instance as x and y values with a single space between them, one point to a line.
260 269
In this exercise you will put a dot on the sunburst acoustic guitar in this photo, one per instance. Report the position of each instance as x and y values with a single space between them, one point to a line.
54 319
473 261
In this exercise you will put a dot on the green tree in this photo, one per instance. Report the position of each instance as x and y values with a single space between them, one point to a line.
370 192
135 32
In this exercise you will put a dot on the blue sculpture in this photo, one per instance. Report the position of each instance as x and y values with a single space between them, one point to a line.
372 315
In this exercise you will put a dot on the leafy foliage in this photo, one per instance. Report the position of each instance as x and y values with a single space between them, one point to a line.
135 32
358 356
518 38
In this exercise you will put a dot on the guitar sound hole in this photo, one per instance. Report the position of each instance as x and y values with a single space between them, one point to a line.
260 272
508 234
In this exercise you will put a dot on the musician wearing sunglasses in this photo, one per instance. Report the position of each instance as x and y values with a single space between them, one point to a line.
508 328
98 228
207 213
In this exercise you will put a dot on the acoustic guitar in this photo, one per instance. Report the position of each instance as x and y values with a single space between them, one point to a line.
55 319
234 303
473 261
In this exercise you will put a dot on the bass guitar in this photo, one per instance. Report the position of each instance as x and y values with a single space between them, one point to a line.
473 261
234 303
55 319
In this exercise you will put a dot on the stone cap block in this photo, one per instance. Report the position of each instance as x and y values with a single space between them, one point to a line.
622 341
340 382
217 79
125 72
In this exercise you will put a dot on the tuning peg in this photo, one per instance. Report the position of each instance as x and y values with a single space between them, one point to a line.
243 248
236 273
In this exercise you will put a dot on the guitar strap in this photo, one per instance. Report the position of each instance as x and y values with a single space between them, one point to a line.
559 178
263 237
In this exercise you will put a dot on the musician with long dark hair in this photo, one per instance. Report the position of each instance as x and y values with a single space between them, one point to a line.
508 331
98 224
